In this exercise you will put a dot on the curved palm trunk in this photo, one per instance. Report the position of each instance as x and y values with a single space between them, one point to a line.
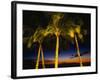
42 58
56 53
40 51
37 62
78 51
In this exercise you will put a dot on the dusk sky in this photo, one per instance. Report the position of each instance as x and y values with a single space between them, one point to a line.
32 19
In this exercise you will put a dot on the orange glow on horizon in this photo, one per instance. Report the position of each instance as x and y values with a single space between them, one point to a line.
72 60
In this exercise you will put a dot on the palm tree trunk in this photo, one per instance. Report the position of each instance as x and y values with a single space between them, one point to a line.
56 53
78 51
42 57
37 62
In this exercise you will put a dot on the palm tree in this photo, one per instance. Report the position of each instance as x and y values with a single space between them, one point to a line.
40 33
74 32
53 28
38 36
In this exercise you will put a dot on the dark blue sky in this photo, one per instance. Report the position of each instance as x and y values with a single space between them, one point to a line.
32 19
50 54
